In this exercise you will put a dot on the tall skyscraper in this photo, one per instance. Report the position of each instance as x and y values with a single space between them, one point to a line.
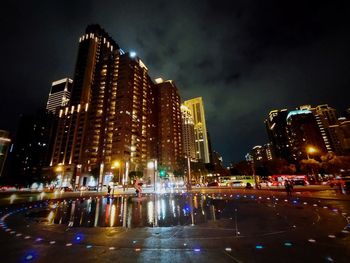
111 115
188 139
59 94
4 147
135 132
170 127
85 125
196 107
277 131
304 132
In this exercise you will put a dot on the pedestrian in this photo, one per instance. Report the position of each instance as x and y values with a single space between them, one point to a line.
288 187
109 189
137 186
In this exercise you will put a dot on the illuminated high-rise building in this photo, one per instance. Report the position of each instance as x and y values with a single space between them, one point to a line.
170 147
4 147
59 94
111 115
135 129
188 139
304 132
196 107
277 131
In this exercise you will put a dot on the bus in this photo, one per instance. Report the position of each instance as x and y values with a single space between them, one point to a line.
237 180
279 179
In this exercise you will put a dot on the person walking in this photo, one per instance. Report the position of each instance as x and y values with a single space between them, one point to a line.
288 187
137 186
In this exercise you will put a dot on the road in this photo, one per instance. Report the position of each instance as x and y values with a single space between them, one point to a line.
205 225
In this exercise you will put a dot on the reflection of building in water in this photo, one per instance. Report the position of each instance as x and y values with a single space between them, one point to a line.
123 211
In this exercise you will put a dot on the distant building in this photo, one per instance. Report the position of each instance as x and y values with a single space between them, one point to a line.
33 145
277 131
59 94
196 107
340 135
170 148
260 154
188 137
5 142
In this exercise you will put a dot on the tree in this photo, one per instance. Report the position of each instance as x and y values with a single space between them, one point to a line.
243 167
310 166
333 164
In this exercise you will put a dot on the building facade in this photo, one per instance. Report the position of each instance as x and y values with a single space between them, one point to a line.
59 94
33 146
188 137
196 107
304 132
112 115
170 148
277 131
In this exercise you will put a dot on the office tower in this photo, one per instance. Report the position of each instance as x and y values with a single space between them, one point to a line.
196 107
277 131
111 115
170 148
188 139
5 142
304 133
59 94
33 146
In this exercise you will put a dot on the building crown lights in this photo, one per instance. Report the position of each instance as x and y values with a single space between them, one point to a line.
297 112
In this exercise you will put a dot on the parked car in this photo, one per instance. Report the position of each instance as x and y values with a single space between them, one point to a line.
92 188
66 189
300 182
211 184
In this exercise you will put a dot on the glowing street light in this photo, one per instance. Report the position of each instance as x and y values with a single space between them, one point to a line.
310 150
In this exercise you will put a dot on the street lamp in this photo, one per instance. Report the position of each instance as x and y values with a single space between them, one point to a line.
116 164
152 165
189 179
60 171
310 150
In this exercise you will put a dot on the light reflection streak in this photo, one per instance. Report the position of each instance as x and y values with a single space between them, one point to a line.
113 212
150 212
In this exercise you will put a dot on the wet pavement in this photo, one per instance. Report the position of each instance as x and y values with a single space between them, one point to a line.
177 227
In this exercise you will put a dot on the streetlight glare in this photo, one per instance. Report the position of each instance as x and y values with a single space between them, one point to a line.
116 164
150 165
311 149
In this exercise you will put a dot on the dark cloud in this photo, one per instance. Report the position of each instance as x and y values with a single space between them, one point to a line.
244 58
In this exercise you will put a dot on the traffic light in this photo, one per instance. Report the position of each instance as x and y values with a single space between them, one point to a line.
162 173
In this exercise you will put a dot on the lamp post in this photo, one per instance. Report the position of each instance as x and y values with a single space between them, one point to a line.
153 165
189 180
311 150
60 171
116 164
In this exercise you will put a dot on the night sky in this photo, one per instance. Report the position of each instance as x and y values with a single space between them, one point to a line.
244 58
